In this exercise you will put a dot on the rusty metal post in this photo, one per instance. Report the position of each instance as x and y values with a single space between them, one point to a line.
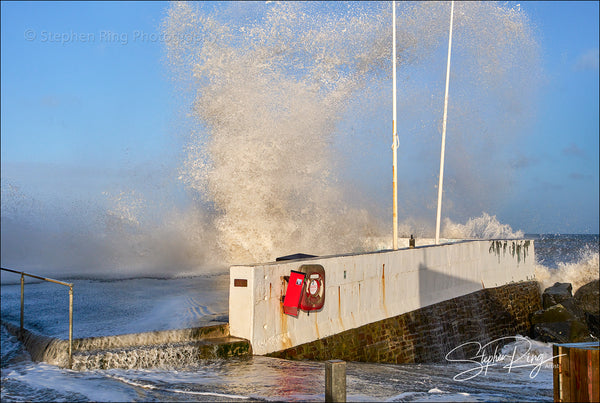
335 381
22 298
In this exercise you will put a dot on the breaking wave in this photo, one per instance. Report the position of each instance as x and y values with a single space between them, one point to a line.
483 227
290 134
270 89
579 272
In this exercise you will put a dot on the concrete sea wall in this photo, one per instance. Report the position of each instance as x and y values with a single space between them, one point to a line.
363 289
430 333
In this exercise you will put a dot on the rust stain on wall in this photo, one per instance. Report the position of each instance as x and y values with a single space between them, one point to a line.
383 289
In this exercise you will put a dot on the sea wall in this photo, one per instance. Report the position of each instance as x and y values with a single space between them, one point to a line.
430 333
362 289
41 348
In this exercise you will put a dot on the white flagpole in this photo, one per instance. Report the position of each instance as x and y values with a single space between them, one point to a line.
395 134
441 182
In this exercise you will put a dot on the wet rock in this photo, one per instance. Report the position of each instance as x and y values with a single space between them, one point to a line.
572 306
556 294
558 324
588 297
593 322
557 332
553 314
587 300
573 331
567 318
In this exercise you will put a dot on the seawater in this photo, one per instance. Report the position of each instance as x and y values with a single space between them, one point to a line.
117 306
267 174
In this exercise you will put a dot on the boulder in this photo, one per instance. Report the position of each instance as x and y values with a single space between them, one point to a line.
571 305
593 322
588 297
558 324
556 313
556 294
573 331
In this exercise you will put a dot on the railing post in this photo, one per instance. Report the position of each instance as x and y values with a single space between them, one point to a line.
70 285
22 298
70 326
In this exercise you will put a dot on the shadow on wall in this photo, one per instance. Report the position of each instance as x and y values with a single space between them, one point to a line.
446 325
479 315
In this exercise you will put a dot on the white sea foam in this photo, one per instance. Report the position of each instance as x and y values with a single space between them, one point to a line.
578 273
483 227
177 391
523 345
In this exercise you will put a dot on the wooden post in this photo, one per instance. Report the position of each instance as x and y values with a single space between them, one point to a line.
576 372
335 381
594 374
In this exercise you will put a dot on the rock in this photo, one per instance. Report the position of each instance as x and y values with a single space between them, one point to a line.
580 332
556 313
562 332
558 324
588 297
556 294
593 322
572 306
551 332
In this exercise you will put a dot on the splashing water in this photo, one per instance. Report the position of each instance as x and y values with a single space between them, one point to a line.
271 91
290 107
578 272
483 227
270 106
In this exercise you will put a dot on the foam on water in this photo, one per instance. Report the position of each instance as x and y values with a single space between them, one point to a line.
578 273
259 379
119 306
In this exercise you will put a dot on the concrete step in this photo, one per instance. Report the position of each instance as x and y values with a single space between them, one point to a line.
166 348
168 355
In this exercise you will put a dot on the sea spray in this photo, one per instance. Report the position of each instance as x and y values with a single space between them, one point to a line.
577 273
120 234
270 106
270 93
289 149
483 227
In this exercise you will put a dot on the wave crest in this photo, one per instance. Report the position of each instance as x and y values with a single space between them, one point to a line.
578 273
483 227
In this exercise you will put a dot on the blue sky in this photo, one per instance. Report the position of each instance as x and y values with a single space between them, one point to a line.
87 105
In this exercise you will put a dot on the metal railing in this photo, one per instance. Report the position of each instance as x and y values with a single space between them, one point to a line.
70 285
